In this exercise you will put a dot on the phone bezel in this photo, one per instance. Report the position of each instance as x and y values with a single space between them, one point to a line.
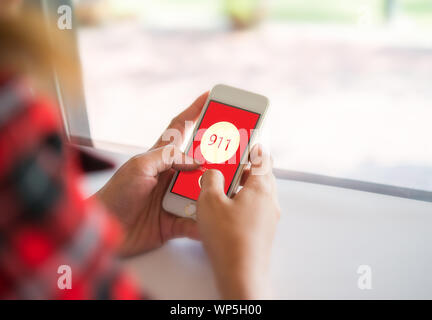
243 99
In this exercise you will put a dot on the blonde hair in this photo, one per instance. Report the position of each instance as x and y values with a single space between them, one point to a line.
33 46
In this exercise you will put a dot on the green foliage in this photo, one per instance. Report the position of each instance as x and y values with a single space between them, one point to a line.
325 11
347 11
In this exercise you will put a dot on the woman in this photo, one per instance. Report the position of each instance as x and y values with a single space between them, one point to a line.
45 222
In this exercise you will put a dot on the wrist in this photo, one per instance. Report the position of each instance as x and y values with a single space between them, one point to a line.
103 197
244 285
242 275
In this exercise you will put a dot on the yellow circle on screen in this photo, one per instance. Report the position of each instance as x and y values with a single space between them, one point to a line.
220 142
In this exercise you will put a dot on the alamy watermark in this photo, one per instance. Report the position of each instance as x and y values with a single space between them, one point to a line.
64 281
64 21
364 281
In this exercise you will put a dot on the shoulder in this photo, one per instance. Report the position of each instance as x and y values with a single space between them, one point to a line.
26 122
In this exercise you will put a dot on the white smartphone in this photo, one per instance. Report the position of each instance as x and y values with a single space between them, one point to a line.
225 130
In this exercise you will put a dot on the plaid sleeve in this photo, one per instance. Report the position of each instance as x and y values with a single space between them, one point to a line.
46 225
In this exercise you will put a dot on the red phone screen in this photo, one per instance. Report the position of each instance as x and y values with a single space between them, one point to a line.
220 141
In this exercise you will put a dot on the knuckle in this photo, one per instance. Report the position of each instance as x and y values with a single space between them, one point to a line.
175 122
138 164
136 161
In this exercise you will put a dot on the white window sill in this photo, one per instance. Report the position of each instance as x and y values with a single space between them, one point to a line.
324 235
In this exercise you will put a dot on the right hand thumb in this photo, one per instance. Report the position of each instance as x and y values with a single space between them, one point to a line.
213 181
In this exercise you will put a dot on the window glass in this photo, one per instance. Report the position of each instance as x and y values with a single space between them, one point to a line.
349 81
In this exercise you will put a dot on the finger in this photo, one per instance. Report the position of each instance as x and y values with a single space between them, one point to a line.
260 177
175 132
185 227
213 182
245 176
164 158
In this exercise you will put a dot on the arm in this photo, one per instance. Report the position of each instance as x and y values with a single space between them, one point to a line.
45 222
240 258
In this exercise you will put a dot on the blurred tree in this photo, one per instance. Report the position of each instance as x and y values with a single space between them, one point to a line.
93 12
245 13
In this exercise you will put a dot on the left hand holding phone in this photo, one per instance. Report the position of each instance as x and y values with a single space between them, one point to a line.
134 193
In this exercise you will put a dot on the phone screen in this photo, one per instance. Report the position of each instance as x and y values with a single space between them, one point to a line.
220 141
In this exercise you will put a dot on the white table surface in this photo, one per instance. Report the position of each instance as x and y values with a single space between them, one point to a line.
324 234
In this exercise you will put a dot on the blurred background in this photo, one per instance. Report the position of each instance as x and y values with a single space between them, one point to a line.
350 81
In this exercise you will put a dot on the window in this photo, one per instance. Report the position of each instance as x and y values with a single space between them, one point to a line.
349 81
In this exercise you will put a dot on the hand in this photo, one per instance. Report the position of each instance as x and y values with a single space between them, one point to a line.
134 194
238 233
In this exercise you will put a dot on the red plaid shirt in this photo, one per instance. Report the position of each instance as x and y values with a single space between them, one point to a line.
45 221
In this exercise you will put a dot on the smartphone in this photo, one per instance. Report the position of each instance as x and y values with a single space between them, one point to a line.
221 139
